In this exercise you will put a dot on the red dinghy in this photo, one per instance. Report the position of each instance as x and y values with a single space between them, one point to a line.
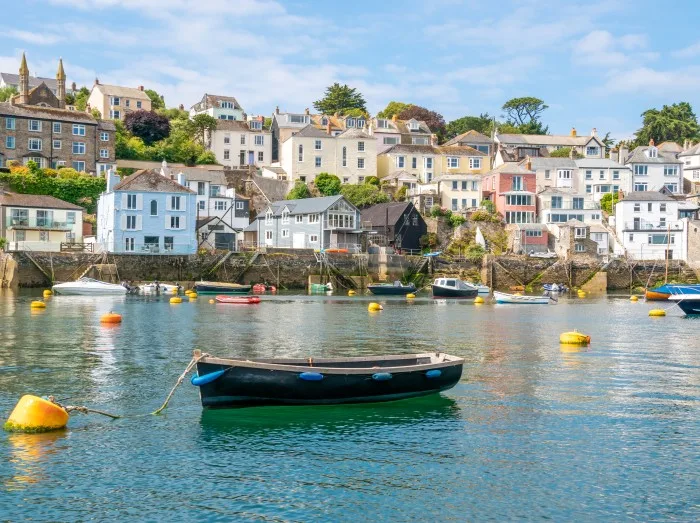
237 300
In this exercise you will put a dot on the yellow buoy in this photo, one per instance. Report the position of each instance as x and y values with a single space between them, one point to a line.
574 338
478 299
34 414
174 291
634 298
657 312
38 305
47 293
175 299
351 292
111 317
212 301
410 295
374 307
518 293
192 295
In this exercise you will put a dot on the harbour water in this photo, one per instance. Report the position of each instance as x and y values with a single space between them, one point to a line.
533 430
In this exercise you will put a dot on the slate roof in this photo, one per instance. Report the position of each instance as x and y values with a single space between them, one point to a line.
452 150
150 180
236 126
692 151
546 139
106 125
212 100
377 214
203 221
41 201
647 196
670 147
311 132
638 156
34 81
552 163
471 136
531 227
511 168
401 175
353 134
197 174
46 113
303 206
400 127
118 90
604 163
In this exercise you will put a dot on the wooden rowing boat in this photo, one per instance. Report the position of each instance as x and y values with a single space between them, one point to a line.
502 297
238 300
230 383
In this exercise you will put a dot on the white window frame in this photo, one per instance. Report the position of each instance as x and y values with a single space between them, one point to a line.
361 147
129 244
79 148
452 162
400 162
36 123
298 218
104 136
37 144
318 161
285 233
104 153
130 222
313 218
318 145
475 163
57 128
360 163
313 238
78 129
259 139
268 217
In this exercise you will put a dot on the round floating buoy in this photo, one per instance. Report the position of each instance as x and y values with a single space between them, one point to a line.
581 294
174 291
634 298
657 312
192 295
212 301
410 296
478 300
111 317
175 299
38 305
351 292
374 307
34 414
47 293
574 338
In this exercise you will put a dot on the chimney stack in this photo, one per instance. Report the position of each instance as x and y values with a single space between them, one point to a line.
306 111
181 179
433 140
651 142
328 126
573 131
97 81
181 107
277 110
528 163
614 155
140 87
622 154
74 87
594 132
394 117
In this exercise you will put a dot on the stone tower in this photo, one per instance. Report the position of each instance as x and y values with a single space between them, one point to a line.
23 81
61 85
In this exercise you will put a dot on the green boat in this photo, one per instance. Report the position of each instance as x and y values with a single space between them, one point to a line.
215 287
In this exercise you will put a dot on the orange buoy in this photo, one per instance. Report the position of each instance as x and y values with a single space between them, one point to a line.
35 414
111 317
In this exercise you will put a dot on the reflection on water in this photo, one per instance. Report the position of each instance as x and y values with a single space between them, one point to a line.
534 429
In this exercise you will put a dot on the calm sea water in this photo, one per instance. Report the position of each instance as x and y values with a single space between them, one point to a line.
532 431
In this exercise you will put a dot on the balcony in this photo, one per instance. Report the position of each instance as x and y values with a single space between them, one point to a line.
645 225
569 206
38 223
425 188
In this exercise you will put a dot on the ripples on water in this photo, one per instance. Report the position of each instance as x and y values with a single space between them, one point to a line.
534 430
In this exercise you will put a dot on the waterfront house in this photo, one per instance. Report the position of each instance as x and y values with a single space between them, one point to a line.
395 224
391 131
214 198
473 139
529 237
237 144
32 222
554 172
649 226
573 239
329 222
219 107
563 205
115 101
350 155
215 233
517 147
511 188
36 126
653 169
458 192
691 167
147 213
600 176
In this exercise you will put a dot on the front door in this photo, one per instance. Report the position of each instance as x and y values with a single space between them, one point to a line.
251 157
637 224
298 240
241 159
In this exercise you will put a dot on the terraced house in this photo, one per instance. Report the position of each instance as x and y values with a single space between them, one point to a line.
392 131
116 101
36 126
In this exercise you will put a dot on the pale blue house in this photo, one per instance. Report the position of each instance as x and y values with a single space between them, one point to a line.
147 213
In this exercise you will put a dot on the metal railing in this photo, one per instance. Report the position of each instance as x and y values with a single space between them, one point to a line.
569 206
38 223
645 225
77 247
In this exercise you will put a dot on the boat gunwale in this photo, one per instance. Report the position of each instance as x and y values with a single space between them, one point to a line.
318 364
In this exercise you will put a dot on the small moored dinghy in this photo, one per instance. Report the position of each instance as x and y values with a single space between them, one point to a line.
389 289
502 297
323 381
238 300
217 287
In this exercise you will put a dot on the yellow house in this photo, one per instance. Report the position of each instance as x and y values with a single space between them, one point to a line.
114 101
33 222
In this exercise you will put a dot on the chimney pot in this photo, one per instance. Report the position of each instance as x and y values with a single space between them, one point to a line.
306 111
140 87
97 81
651 142
573 131
594 132
181 107
277 110
528 163
328 127
73 86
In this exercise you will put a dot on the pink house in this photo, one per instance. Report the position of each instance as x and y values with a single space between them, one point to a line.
511 187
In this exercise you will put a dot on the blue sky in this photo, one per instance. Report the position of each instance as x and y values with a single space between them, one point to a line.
596 64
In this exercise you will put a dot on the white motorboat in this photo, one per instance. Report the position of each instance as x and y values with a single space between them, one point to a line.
481 288
88 286
159 288
502 297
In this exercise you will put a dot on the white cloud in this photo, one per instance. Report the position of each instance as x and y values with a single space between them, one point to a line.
602 49
650 81
33 38
688 52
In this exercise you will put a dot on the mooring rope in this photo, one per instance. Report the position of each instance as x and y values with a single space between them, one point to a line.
195 359
81 409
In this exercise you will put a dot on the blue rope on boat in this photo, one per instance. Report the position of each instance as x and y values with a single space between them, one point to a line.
382 376
198 380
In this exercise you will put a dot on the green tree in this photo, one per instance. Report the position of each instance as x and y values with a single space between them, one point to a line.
608 142
267 124
7 92
81 98
157 100
299 191
482 124
201 126
147 125
433 119
327 184
340 98
524 113
608 201
489 206
206 158
675 123
363 195
372 180
392 108
564 152
174 113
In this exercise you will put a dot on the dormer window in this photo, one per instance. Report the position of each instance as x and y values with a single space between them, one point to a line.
360 123
268 217
350 122
324 121
256 124
298 118
226 104
382 123
413 125
653 152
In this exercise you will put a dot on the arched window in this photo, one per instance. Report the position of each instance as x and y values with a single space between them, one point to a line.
345 156
154 208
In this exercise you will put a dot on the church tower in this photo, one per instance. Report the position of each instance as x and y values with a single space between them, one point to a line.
61 85
23 81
